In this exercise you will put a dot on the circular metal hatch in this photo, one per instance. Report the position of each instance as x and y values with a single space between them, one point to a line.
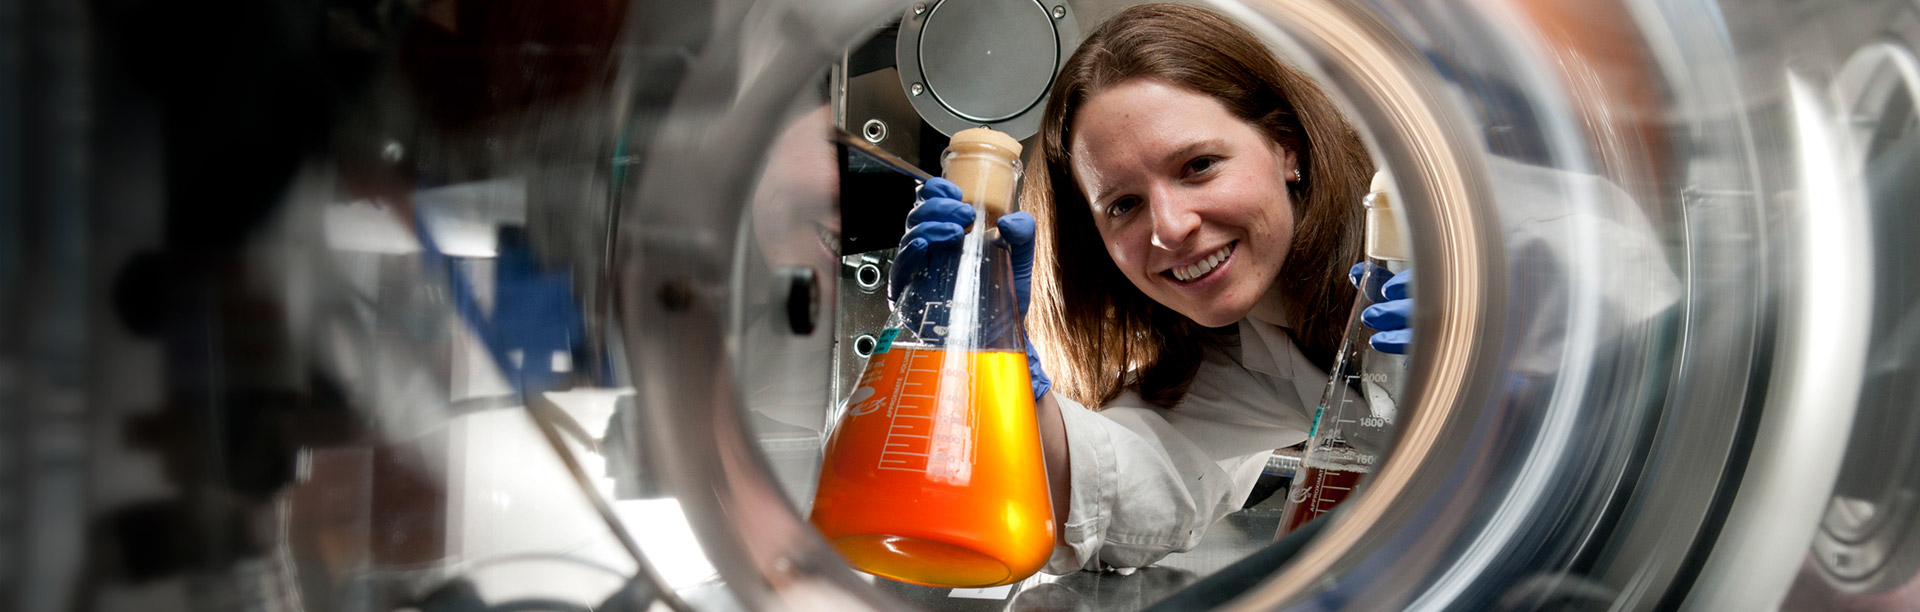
1867 539
983 63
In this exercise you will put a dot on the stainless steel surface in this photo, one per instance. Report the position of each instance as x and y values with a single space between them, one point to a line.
874 130
876 96
862 313
1236 536
865 145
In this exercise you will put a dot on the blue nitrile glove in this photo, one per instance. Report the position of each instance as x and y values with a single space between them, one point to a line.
934 229
1391 311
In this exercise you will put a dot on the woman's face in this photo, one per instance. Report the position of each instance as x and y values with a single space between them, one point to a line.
1190 200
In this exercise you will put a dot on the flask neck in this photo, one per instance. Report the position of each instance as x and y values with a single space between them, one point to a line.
985 164
987 176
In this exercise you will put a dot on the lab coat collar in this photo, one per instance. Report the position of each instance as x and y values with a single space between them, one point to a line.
1257 341
1268 349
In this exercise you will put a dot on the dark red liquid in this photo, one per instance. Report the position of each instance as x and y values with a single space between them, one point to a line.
1314 492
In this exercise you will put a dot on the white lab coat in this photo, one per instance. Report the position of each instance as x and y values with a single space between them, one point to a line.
1148 481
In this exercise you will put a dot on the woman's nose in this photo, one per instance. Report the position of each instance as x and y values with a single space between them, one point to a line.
1174 221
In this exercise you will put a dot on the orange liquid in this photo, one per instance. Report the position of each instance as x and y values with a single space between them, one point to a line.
938 483
1316 491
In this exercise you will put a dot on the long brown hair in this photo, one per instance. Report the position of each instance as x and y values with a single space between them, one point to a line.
1102 335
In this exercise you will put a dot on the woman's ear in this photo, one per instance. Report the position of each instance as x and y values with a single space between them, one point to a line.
1290 170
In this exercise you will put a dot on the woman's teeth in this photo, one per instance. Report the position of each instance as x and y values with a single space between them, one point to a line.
829 238
1188 273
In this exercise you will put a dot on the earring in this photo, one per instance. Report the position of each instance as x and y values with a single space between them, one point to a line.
1296 174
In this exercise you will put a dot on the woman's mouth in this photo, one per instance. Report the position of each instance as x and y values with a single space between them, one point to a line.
829 239
1199 270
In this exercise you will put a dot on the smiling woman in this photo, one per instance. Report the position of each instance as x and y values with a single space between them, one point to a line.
1181 136
1187 202
1200 208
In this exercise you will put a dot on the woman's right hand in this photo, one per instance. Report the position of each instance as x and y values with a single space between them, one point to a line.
934 229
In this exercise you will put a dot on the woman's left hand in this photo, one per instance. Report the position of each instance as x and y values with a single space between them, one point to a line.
1392 308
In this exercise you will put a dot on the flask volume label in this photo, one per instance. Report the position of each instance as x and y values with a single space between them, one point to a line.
885 340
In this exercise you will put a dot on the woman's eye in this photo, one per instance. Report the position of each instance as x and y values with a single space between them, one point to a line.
1202 164
1121 206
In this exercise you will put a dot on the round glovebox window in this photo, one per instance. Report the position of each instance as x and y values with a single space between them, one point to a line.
985 63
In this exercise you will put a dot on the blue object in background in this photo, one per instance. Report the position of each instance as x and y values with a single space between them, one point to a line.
534 316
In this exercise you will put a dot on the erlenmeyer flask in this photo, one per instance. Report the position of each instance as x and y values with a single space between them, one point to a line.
1354 422
933 472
